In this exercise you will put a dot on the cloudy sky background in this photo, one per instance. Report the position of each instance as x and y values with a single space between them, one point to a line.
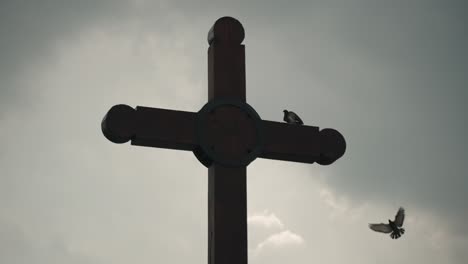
390 76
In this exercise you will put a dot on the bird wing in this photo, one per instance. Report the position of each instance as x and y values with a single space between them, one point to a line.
400 217
296 118
299 120
384 228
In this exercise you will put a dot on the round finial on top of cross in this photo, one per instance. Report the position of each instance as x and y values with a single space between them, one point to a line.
226 30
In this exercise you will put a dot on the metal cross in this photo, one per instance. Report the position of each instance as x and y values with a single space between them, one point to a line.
225 135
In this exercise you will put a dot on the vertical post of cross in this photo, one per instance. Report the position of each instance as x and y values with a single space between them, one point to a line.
227 190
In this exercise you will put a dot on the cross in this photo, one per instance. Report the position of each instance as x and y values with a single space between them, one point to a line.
226 135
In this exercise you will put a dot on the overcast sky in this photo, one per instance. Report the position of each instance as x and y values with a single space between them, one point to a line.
391 77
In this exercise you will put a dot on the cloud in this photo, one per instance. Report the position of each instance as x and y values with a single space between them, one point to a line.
341 206
281 238
265 219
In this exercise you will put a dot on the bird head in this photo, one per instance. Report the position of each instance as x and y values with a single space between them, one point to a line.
285 111
390 221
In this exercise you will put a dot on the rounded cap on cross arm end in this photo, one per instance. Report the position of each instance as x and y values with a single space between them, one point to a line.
226 30
333 146
118 125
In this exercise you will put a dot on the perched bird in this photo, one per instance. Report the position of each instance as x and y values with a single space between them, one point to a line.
394 227
291 118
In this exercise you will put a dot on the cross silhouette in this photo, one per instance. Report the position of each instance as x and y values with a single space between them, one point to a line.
225 135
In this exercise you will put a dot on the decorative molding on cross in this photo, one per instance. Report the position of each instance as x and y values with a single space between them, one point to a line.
226 135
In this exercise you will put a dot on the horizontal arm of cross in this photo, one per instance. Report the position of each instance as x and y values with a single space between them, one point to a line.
162 128
150 127
306 144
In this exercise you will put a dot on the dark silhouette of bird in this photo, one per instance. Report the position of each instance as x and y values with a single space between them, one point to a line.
394 227
291 118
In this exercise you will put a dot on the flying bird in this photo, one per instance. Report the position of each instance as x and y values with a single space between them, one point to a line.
291 118
394 227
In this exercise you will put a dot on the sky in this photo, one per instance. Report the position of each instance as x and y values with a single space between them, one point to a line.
390 76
